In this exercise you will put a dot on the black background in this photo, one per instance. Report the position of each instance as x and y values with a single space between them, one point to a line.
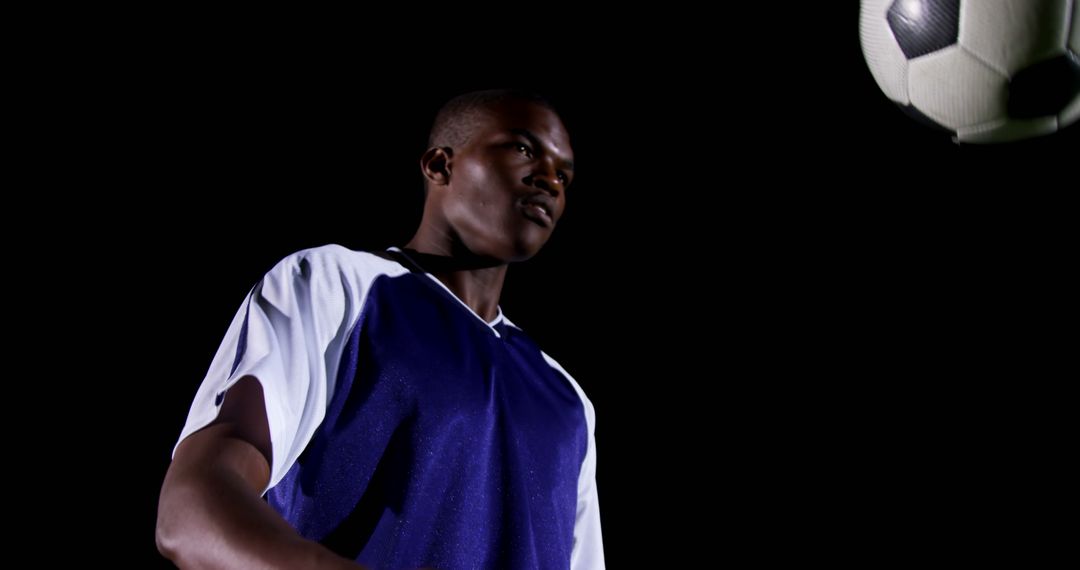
812 328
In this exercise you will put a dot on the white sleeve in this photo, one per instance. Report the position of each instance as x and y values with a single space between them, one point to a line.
288 334
588 551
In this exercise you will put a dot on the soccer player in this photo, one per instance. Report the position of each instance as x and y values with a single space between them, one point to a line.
389 412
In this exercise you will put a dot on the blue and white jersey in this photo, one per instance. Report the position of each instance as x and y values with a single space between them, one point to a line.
407 432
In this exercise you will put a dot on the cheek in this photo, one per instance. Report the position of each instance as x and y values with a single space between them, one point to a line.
485 186
473 173
473 206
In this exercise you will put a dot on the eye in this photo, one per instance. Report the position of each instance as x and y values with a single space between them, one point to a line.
523 149
562 177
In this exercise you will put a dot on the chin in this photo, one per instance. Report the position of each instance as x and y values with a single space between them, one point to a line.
519 245
522 248
530 244
524 254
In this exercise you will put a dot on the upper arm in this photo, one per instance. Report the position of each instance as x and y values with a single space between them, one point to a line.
217 472
237 440
210 513
288 334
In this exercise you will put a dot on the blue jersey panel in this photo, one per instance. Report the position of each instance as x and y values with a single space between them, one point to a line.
444 444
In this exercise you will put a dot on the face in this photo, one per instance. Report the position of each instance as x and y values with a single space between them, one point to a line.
506 187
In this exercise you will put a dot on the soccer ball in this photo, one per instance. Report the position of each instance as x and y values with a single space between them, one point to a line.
985 70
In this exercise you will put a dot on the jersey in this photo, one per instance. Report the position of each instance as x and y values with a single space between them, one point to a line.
406 430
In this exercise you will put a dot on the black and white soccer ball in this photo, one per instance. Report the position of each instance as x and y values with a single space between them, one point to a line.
985 70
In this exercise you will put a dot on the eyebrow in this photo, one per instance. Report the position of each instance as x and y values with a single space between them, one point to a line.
564 163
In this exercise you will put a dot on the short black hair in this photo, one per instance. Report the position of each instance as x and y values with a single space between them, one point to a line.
457 120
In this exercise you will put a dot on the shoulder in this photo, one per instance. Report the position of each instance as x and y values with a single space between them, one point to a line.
337 263
340 258
589 410
333 274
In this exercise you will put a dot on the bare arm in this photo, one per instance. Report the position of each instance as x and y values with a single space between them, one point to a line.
211 514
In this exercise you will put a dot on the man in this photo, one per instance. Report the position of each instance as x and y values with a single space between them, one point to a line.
390 412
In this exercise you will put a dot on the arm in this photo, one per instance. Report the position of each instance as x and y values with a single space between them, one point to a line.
211 514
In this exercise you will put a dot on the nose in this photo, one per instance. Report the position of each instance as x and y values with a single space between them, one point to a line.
545 178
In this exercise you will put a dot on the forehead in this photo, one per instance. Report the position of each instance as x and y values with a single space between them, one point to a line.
528 116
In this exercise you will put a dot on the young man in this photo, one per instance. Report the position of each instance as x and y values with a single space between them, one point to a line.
389 411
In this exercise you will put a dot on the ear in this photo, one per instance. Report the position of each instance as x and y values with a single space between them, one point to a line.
435 164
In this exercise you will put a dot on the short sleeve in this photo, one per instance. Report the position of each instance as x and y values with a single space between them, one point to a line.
588 550
289 334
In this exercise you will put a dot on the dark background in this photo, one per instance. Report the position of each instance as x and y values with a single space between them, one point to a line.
811 327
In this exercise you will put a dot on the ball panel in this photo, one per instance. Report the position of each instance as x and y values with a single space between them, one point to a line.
887 63
1044 88
923 119
1070 114
955 89
1004 130
1074 29
1010 34
924 26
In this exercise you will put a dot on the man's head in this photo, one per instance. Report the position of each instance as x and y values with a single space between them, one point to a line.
496 173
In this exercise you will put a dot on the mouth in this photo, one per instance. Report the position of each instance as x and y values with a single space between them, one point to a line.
539 213
539 209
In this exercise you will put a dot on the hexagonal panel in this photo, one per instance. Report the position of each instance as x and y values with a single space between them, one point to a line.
1007 130
955 89
1010 34
883 56
1074 34
1070 114
922 27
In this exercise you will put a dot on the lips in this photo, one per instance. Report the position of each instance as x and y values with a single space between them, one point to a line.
537 214
540 209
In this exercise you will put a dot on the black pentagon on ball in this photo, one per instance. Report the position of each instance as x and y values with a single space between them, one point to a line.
914 113
1044 88
924 26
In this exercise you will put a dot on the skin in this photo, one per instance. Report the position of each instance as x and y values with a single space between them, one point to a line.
211 514
473 224
477 219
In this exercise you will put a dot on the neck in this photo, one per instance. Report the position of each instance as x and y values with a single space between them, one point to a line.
477 281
